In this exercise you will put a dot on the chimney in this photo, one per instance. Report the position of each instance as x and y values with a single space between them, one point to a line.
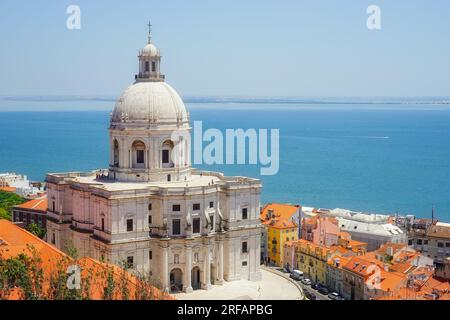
337 262
269 214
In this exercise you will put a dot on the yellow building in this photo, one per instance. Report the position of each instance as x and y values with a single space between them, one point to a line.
278 233
312 259
280 223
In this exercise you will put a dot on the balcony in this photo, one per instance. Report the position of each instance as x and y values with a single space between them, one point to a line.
147 76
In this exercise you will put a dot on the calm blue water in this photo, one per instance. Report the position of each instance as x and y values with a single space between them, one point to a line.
378 158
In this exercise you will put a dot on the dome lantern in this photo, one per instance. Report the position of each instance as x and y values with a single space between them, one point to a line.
149 127
149 61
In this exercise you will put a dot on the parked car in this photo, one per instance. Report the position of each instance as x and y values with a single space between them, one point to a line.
306 281
297 275
334 296
315 286
309 295
323 290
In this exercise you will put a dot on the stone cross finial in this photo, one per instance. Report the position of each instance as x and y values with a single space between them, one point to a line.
149 31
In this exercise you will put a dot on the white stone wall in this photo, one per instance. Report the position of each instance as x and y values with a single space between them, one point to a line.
217 255
153 168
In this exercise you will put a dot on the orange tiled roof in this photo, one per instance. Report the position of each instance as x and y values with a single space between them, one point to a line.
370 255
342 251
403 293
439 231
391 281
283 224
402 267
435 284
40 204
358 265
445 297
280 211
342 261
15 240
395 246
303 245
8 189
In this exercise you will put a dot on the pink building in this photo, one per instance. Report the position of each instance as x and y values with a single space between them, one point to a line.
322 231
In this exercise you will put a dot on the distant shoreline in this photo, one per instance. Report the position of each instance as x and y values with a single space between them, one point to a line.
251 100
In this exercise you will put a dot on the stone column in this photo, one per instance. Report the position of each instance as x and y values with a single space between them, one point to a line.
130 158
207 266
188 270
165 266
220 262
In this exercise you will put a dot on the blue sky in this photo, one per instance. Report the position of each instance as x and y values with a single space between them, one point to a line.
223 47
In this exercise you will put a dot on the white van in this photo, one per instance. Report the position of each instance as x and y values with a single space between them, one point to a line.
297 275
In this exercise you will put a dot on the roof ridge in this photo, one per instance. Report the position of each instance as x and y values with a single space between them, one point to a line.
39 240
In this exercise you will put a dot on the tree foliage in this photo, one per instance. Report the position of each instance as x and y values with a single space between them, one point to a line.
36 230
7 201
25 274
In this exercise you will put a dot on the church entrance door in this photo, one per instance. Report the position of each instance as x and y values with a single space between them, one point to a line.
176 280
196 278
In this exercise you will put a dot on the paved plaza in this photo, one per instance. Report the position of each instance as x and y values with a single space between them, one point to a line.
271 287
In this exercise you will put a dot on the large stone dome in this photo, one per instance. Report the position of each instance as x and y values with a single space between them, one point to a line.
150 102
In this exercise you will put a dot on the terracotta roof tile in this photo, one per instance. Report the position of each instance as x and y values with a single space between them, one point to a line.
40 204
8 189
15 240
280 211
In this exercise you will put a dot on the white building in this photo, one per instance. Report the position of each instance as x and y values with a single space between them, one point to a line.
374 229
20 182
184 228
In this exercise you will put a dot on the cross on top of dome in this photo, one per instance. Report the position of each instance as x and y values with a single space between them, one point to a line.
149 32
149 61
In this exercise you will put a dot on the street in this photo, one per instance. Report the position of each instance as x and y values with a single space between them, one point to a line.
318 295
283 273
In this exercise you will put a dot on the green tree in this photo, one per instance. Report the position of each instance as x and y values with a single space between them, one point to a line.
36 230
4 214
7 201
108 292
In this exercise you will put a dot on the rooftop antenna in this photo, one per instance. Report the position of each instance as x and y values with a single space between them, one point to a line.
432 214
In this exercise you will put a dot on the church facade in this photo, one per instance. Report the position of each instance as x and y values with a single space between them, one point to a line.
151 211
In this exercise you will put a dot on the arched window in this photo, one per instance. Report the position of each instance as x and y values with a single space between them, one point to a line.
166 154
147 66
138 154
116 153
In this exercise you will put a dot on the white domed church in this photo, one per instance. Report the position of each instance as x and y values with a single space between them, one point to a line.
151 211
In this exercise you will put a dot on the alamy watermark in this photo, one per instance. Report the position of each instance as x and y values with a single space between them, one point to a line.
237 146
73 22
374 19
73 277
